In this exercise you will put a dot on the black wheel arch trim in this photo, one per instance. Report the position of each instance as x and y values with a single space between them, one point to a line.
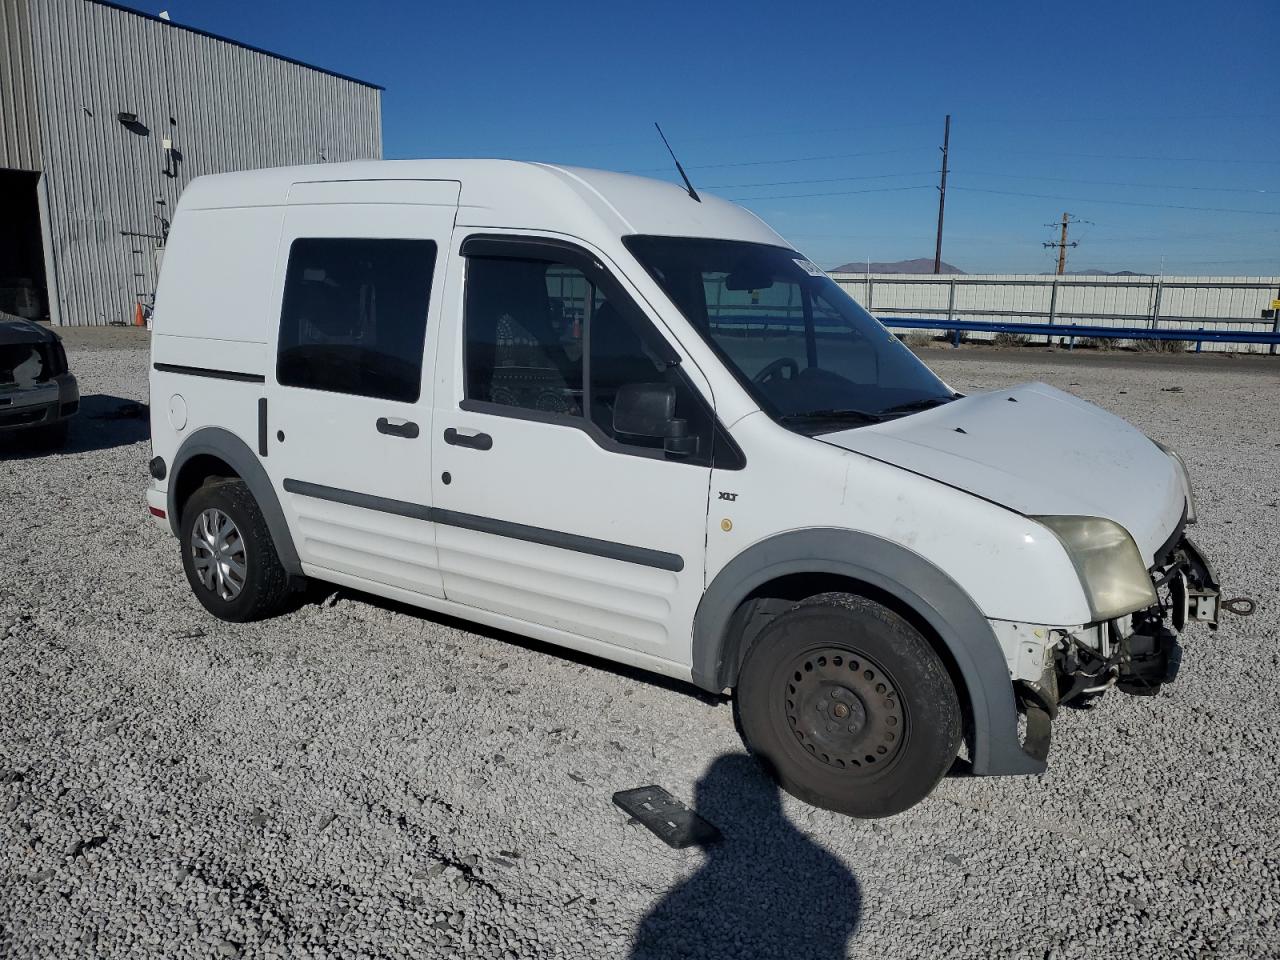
239 456
899 572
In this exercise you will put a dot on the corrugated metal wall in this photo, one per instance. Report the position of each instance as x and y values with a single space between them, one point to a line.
223 106
19 124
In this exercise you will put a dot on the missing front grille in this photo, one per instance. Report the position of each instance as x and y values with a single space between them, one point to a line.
24 365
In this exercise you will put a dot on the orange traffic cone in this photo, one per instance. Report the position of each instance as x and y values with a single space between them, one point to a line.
138 319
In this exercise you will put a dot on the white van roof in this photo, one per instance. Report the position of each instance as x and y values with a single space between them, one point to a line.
511 194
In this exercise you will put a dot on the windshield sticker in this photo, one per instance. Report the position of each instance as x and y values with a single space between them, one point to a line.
809 267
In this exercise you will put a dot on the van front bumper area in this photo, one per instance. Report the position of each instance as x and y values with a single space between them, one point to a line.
1136 654
1139 653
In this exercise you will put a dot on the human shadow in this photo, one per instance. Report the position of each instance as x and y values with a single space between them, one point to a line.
766 890
102 422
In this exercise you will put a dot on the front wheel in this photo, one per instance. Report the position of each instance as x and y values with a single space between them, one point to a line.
848 706
229 556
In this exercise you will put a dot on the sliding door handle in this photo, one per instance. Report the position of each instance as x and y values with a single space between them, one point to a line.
478 441
397 428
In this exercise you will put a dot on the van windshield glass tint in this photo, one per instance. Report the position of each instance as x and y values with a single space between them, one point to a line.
809 355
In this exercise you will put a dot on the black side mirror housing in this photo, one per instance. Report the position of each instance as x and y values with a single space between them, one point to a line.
679 442
644 414
641 411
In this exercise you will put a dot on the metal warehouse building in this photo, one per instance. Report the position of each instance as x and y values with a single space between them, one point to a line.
106 114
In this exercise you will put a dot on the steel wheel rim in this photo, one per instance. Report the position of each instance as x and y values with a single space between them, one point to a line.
218 554
845 711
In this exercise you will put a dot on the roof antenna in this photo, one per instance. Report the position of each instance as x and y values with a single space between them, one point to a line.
684 176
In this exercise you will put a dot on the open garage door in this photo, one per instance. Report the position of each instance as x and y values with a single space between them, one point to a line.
23 286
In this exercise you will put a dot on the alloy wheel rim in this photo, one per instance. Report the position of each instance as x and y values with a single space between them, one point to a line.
844 710
218 554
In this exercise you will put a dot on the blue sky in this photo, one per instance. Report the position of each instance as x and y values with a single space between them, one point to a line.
1157 124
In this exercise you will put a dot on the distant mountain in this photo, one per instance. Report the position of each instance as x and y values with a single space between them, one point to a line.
1101 273
919 265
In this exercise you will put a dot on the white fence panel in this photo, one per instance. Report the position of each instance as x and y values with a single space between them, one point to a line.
1166 303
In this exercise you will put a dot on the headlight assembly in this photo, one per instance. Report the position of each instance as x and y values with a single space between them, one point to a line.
1186 479
1111 570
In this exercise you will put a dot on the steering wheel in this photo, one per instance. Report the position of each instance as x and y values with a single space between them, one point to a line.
775 369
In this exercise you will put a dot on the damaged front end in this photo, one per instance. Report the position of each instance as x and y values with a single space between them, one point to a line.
1139 653
36 388
1136 653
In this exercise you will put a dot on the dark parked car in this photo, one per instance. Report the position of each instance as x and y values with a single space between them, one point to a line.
38 394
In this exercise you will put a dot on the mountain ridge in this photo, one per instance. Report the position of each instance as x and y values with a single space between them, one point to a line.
918 265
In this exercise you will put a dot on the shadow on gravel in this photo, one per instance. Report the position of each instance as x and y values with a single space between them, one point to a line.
766 890
102 423
317 593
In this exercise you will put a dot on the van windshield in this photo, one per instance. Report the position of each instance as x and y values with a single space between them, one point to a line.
809 355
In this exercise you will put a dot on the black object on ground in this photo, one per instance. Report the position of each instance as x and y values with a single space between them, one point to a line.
126 411
674 824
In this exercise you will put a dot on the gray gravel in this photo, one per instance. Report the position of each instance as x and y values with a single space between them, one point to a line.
357 779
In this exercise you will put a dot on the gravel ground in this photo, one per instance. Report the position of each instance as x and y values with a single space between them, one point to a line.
357 779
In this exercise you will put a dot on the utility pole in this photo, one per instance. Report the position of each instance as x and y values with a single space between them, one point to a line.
942 194
1062 244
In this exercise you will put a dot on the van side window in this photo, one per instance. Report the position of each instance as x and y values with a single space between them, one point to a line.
354 317
622 352
524 333
527 324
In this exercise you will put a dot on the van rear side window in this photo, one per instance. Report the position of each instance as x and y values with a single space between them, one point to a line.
355 316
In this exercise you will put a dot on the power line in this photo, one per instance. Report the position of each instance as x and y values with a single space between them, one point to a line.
807 131
1114 261
1121 118
1116 156
1123 203
757 133
1120 183
834 193
766 163
1250 238
792 183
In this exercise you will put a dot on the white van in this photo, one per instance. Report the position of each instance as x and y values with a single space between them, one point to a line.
589 408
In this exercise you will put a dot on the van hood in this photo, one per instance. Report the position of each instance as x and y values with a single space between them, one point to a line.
1039 451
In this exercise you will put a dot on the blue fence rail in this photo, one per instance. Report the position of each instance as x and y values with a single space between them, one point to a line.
1198 335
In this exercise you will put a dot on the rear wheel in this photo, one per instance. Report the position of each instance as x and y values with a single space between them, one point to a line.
848 706
228 554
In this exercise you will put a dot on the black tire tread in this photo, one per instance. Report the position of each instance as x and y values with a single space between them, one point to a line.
934 687
267 590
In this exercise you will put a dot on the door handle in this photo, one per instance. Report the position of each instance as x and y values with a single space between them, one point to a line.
478 441
397 428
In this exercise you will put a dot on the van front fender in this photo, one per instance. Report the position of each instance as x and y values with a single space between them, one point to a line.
236 454
893 569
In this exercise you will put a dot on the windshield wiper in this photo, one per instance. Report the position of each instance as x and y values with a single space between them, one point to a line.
914 405
862 416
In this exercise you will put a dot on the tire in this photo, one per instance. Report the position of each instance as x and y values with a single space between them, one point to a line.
247 582
815 703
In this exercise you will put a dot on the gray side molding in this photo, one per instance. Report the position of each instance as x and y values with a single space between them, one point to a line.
892 568
233 451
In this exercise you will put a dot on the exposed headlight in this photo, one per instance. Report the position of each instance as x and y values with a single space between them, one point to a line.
1186 479
1111 570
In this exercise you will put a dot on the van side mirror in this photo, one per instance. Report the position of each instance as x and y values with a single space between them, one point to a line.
644 414
641 411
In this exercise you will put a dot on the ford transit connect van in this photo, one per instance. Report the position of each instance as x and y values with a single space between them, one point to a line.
593 409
